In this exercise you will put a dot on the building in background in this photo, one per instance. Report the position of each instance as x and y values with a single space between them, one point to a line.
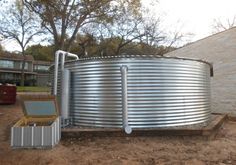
42 70
219 49
36 73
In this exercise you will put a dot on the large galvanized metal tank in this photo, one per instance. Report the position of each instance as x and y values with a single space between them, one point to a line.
155 91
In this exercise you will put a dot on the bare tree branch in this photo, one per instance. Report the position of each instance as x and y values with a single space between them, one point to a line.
64 18
18 24
221 25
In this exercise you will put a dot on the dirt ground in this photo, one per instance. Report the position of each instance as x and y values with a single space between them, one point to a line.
120 150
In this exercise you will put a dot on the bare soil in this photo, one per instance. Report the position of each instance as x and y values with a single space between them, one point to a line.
120 150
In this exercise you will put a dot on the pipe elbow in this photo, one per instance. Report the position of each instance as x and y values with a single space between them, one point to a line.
66 54
72 55
128 129
57 53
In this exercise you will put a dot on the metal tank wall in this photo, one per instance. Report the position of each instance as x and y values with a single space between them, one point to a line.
161 92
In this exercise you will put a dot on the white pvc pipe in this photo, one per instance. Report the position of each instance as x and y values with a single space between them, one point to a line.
55 72
127 128
57 54
63 57
65 83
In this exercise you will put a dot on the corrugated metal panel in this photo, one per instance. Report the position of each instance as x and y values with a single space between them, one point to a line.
58 83
36 137
162 92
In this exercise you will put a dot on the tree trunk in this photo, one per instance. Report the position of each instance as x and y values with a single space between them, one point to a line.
22 81
117 51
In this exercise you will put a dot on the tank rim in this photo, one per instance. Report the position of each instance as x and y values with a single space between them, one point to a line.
137 56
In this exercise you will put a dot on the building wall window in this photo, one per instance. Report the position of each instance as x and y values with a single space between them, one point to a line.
26 65
6 64
6 76
42 67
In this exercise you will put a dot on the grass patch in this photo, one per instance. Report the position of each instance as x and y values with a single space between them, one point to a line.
32 89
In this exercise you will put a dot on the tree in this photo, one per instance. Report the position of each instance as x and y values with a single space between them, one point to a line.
18 24
84 45
127 28
1 48
114 36
39 52
64 18
221 25
154 36
159 40
102 38
131 32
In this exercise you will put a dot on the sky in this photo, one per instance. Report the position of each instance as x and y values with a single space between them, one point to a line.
194 16
188 16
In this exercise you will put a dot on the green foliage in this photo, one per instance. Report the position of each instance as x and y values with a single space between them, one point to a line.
98 27
108 47
84 44
32 89
64 18
39 52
